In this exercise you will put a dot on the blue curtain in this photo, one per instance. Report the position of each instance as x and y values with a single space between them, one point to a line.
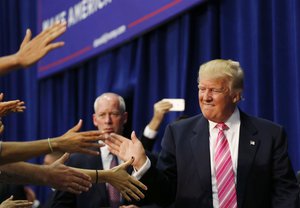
15 18
163 63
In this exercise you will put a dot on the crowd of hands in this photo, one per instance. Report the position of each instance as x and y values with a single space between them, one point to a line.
66 178
74 180
57 175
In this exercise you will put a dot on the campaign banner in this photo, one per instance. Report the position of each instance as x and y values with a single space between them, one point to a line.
94 26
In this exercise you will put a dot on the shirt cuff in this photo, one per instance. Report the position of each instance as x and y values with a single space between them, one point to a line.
149 133
138 174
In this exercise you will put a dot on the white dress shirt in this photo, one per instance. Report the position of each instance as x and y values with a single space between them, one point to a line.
107 157
149 133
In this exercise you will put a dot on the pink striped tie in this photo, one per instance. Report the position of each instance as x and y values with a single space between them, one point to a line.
224 171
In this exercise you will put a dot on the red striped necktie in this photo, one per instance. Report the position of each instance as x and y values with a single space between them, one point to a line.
224 171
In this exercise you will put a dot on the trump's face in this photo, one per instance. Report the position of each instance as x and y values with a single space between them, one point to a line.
108 116
216 100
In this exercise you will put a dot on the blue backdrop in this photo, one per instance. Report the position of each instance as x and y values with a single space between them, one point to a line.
105 25
263 35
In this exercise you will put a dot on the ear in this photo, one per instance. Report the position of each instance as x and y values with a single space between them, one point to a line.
125 118
95 120
237 97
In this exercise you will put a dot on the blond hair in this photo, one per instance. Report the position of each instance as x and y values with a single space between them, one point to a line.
220 68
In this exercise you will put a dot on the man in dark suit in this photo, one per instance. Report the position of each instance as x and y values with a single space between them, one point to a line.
110 116
220 158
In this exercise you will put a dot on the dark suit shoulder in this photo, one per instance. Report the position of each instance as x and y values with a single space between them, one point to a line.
257 124
187 122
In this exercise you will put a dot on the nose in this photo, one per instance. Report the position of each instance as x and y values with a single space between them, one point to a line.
206 95
108 118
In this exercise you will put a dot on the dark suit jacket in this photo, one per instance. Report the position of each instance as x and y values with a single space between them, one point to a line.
96 197
183 174
6 190
147 142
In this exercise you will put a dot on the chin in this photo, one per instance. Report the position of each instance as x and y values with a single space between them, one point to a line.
207 115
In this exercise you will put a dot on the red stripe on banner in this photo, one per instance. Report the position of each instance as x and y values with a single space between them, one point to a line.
152 14
60 61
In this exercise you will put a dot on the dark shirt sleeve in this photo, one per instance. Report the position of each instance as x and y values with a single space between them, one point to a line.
147 143
161 180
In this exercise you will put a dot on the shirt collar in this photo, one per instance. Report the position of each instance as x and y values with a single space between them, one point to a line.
104 151
233 120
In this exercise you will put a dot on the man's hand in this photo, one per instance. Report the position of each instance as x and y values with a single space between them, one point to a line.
10 203
125 183
12 106
160 109
33 50
126 149
64 178
74 141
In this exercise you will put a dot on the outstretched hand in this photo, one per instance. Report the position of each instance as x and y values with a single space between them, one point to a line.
64 178
125 183
161 108
32 50
74 141
126 148
13 106
10 203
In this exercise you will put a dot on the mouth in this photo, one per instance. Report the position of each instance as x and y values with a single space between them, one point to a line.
108 130
208 104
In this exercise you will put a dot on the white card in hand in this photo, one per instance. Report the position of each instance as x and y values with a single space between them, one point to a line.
178 103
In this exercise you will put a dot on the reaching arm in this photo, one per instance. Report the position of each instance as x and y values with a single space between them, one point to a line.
73 180
56 175
71 141
120 179
33 50
160 110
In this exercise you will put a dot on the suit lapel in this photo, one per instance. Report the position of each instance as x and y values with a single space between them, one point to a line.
201 152
248 144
